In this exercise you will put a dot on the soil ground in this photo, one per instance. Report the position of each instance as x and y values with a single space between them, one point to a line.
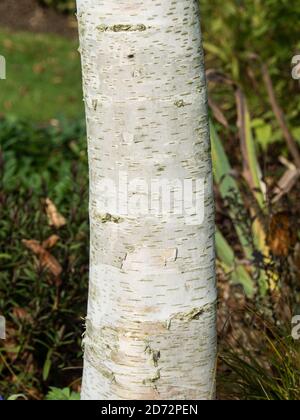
29 15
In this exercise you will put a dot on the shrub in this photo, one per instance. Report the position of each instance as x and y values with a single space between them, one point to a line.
61 5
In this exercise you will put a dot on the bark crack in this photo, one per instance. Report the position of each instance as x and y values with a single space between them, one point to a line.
154 355
193 314
152 381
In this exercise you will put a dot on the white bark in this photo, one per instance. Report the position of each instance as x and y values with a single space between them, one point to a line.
150 330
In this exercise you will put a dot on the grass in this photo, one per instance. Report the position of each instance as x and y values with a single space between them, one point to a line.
43 77
266 367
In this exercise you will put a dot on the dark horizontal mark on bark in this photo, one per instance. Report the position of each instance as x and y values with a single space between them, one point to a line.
122 28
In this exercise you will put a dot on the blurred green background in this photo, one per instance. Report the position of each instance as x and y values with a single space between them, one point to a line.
43 76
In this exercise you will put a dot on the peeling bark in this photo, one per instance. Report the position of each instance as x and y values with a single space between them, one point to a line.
151 324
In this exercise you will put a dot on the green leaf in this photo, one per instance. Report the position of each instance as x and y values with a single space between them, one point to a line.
237 272
250 154
226 183
217 51
47 365
241 276
65 394
16 397
263 132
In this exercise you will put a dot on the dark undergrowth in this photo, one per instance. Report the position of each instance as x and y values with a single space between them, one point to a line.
42 294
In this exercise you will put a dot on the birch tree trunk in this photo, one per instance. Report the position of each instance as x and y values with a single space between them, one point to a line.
151 324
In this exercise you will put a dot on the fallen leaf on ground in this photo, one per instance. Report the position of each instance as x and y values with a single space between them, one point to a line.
22 314
50 242
46 260
55 218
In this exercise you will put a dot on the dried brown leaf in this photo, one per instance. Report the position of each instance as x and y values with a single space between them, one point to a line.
22 315
55 218
218 113
282 236
287 181
50 242
46 260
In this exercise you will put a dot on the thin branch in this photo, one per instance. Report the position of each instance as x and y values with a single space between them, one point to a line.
291 143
